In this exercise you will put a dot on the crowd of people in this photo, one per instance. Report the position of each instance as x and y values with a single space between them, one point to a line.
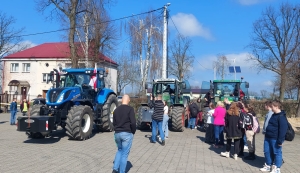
238 120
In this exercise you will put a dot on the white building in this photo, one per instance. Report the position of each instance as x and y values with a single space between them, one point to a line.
25 72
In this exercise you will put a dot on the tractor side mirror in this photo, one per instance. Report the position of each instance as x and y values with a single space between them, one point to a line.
146 86
183 85
50 77
247 84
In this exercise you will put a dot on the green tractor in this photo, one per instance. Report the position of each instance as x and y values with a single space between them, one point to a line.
233 90
172 92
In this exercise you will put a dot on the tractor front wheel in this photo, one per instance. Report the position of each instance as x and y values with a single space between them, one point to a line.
107 114
79 123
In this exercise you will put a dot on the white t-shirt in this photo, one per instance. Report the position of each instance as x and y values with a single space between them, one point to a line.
166 110
210 118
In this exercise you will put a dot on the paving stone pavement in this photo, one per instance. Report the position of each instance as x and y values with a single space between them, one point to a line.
183 152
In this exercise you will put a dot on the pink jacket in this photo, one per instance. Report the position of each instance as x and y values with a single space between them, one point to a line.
219 116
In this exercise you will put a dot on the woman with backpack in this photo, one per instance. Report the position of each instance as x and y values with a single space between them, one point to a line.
251 130
233 130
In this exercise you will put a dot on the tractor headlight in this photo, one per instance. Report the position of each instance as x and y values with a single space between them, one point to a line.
60 99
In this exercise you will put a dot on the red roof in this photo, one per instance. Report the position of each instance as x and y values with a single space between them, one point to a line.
51 50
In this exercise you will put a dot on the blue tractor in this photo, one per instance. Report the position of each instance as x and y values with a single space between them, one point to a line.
74 103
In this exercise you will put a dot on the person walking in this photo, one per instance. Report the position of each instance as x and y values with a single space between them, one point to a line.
199 119
243 142
194 110
13 111
233 130
219 122
209 134
251 130
157 118
24 106
165 127
274 138
124 126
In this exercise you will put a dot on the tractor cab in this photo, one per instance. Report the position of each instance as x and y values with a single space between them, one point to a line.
170 89
233 90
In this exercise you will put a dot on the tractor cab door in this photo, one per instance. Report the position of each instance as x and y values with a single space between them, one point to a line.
244 87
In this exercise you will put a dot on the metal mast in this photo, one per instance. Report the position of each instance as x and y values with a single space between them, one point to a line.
165 42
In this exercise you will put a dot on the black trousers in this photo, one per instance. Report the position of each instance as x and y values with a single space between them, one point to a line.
236 145
210 134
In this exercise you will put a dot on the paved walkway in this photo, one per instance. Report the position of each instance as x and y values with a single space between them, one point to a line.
184 152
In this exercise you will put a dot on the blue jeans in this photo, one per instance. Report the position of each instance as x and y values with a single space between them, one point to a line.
157 124
245 140
13 117
219 136
124 142
272 151
165 127
192 122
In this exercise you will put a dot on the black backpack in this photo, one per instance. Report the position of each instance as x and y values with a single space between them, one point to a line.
290 133
246 121
194 111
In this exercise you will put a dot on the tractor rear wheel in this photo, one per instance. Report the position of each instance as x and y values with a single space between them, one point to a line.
107 114
178 119
35 111
79 123
139 121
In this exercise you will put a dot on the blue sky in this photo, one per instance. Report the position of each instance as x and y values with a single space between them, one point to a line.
214 26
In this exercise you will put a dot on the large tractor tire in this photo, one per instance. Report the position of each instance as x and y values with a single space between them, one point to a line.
35 111
79 123
140 124
178 119
107 114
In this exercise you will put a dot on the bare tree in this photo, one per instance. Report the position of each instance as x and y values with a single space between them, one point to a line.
127 72
180 62
263 93
10 40
145 39
253 93
275 38
221 66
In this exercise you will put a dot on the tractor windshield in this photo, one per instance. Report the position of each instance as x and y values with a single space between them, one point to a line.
75 79
229 90
169 91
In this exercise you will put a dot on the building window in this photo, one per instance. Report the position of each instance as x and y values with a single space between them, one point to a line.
14 67
13 88
26 67
45 77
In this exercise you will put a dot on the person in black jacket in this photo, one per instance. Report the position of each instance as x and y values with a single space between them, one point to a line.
194 110
157 118
125 126
233 130
274 138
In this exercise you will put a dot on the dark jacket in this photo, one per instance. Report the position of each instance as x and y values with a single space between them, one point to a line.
124 119
232 127
191 107
277 127
13 106
22 105
158 106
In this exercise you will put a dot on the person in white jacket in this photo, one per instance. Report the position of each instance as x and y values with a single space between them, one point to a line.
210 135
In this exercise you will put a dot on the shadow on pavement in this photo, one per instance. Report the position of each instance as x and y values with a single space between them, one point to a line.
2 122
128 166
55 137
258 162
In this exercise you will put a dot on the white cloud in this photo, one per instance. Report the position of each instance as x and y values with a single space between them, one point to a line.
251 2
268 83
188 25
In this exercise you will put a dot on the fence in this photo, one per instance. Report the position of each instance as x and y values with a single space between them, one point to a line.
6 99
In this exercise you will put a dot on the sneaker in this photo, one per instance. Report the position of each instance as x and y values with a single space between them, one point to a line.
273 167
166 137
153 142
163 143
266 168
245 147
195 127
235 156
225 154
114 171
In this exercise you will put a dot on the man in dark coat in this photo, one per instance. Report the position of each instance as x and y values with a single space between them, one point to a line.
157 118
194 110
